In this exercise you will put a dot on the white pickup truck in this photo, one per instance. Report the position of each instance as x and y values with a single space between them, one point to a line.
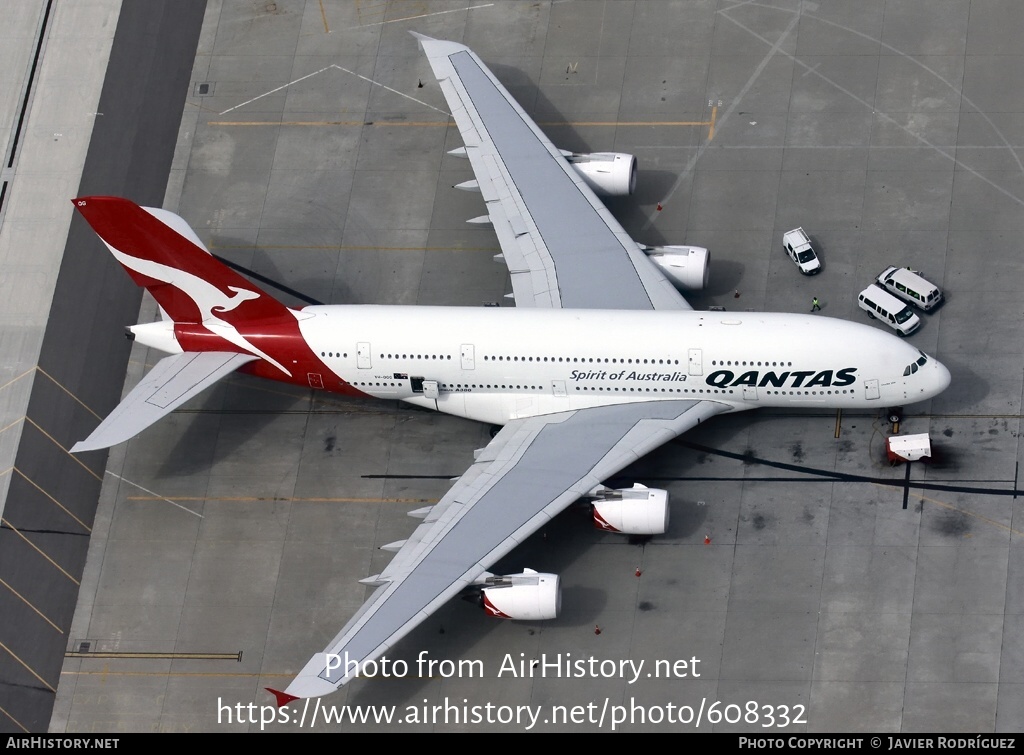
798 247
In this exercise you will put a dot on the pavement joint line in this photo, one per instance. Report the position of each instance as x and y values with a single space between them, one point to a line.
422 15
344 248
773 50
28 603
200 106
3 429
915 59
39 550
361 123
140 656
271 499
27 668
58 384
51 438
61 506
29 371
236 675
156 496
949 155
447 124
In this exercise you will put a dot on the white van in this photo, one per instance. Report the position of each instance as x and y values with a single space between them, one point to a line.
911 286
890 310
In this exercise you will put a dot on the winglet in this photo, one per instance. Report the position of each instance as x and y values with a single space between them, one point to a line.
283 698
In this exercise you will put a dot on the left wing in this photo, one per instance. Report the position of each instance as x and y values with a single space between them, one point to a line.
533 469
563 247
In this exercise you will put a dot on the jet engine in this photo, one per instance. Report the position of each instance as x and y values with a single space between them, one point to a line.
530 596
609 174
686 266
631 511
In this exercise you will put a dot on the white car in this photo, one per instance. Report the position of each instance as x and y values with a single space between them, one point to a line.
798 247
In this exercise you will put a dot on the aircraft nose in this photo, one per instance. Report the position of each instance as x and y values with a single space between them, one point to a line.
941 378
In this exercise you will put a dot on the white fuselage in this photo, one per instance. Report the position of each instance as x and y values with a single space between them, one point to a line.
497 364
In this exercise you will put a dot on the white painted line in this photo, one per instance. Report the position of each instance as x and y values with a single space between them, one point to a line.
157 495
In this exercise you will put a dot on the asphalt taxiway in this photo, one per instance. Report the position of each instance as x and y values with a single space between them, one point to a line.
800 570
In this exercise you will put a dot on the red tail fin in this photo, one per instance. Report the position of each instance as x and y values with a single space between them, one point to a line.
154 247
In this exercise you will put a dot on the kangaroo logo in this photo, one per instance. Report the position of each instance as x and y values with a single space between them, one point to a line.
208 299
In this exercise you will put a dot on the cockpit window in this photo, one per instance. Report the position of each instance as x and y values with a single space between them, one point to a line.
913 366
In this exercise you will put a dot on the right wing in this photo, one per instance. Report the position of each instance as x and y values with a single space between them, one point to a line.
533 469
172 382
563 247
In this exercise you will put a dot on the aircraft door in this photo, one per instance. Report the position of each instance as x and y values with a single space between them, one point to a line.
468 357
558 387
316 380
750 393
871 389
696 361
363 360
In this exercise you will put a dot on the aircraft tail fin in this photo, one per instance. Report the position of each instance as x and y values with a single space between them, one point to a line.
163 254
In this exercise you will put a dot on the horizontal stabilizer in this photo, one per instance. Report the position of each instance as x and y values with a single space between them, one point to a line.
172 382
282 698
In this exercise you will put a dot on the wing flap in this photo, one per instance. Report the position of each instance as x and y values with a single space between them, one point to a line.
531 471
172 382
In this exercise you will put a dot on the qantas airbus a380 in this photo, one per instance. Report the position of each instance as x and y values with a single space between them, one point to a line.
601 361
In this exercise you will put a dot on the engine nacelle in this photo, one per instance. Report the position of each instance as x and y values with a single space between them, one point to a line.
610 174
530 596
632 511
686 266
